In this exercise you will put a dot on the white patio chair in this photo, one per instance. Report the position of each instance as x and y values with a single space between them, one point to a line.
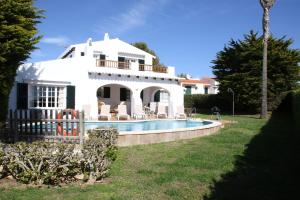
105 112
152 107
122 112
180 113
139 112
161 111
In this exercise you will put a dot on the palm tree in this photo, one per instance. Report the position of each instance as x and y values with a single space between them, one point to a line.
266 5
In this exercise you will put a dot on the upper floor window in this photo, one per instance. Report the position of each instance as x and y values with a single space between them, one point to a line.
123 63
82 53
47 96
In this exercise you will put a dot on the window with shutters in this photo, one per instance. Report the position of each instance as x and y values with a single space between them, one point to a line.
42 96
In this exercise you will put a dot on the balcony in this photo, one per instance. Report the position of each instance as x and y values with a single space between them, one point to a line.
159 69
113 64
130 66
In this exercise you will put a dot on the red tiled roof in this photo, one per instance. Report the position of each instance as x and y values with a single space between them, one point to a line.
189 81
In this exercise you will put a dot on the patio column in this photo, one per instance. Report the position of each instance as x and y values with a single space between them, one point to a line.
135 100
173 96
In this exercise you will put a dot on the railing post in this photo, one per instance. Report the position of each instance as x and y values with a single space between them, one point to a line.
81 125
15 125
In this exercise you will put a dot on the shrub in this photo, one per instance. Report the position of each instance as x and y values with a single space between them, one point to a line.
2 170
56 163
41 162
98 153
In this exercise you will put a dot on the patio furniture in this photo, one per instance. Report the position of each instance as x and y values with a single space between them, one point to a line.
122 112
180 113
161 111
216 111
105 112
139 112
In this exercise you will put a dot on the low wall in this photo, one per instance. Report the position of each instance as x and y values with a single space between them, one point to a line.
151 137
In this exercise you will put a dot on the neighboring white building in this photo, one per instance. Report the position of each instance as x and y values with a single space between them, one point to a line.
199 86
85 74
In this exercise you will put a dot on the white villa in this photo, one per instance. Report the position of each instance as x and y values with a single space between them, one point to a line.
204 85
109 71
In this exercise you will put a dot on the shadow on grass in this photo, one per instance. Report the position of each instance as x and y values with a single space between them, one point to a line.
270 165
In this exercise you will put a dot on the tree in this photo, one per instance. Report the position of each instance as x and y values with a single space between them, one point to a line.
239 64
18 35
266 5
143 46
182 75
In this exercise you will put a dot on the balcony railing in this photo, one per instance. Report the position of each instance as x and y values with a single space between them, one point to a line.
112 64
127 65
160 69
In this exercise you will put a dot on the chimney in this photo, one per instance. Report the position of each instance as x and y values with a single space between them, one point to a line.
89 41
106 36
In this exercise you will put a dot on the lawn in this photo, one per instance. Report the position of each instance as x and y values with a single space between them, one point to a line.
189 169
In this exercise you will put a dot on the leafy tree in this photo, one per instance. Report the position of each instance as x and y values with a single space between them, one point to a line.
143 46
182 75
239 67
18 35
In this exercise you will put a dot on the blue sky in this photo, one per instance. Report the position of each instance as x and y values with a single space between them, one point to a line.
186 34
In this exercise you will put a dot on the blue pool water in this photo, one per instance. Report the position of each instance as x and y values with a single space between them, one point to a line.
147 125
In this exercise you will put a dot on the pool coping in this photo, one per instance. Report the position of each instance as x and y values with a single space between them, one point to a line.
129 138
213 124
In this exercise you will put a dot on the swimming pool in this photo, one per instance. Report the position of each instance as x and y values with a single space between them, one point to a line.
147 125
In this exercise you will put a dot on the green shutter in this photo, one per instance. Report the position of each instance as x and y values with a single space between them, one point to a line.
127 95
71 97
157 96
22 96
122 94
188 90
107 92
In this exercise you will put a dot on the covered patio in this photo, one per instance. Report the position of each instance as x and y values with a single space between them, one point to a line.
149 99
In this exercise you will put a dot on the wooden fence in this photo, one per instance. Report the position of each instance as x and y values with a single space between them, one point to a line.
49 125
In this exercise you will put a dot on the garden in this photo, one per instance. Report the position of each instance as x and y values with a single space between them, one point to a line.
252 158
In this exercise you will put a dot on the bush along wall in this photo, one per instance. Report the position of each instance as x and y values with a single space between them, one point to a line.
56 163
204 102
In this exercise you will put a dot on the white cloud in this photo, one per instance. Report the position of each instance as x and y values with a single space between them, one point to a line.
37 53
134 17
59 40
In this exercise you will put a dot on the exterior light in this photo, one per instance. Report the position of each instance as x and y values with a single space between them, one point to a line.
232 92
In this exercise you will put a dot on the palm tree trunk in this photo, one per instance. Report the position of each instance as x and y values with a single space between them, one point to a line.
264 103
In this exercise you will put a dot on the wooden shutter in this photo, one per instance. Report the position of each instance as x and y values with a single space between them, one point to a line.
22 96
70 97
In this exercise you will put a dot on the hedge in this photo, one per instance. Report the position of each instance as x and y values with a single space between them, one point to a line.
56 163
204 102
290 106
296 110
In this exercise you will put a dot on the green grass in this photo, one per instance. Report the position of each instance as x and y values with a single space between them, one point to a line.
186 169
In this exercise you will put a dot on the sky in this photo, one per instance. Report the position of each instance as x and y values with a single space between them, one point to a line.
186 34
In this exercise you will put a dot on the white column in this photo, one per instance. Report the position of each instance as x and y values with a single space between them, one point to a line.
135 100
